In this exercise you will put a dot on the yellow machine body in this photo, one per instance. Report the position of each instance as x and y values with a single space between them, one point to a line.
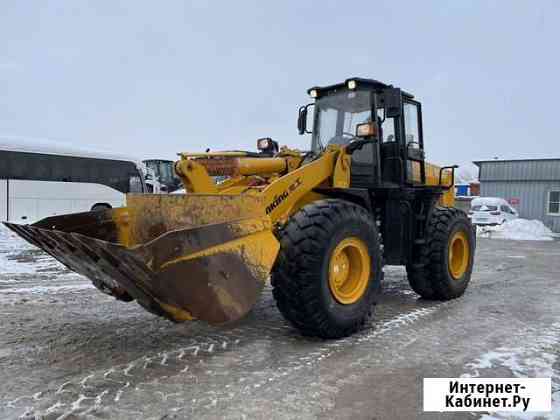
433 179
205 254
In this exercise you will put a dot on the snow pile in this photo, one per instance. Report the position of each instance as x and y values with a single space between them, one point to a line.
518 230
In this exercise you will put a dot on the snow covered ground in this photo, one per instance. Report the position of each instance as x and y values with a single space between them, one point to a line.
26 271
68 351
10 241
534 356
519 230
11 247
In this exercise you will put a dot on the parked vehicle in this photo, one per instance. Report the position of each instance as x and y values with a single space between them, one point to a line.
491 211
164 173
153 185
41 178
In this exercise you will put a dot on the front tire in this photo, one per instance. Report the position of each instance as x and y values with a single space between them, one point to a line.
444 267
329 269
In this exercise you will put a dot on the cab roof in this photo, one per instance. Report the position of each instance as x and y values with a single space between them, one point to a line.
361 82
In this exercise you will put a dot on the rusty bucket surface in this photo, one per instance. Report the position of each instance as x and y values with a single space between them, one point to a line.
180 256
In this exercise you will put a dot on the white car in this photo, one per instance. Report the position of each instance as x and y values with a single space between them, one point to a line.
491 211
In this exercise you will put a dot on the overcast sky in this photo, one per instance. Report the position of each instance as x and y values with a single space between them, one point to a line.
154 78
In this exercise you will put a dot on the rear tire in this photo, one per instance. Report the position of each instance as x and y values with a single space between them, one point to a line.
311 292
446 261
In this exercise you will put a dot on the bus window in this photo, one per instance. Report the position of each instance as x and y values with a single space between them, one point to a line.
59 171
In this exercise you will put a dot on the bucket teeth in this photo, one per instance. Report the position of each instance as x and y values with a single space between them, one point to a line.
89 257
213 272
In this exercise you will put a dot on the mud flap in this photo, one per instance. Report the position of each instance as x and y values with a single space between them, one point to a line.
182 257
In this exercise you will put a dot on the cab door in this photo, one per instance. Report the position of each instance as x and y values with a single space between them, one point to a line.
413 142
392 166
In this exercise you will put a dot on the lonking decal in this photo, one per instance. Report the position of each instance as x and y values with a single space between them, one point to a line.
282 196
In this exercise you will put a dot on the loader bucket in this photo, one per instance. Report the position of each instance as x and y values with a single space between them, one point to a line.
180 256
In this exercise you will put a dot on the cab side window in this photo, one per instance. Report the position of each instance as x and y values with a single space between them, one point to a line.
411 125
388 129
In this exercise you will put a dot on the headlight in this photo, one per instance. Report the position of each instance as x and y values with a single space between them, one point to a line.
352 84
313 93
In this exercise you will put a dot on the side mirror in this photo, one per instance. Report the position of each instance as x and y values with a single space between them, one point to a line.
302 119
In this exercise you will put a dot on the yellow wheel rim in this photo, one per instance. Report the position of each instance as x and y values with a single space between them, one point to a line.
459 255
349 270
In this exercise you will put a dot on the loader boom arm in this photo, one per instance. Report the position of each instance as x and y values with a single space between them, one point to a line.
284 194
288 181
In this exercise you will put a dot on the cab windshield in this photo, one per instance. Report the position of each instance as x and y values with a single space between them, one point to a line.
336 117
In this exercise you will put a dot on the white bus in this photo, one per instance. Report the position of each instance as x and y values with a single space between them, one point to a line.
41 178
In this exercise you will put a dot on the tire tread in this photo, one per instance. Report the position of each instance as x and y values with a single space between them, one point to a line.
428 277
295 274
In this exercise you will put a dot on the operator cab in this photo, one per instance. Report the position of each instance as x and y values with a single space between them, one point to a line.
381 124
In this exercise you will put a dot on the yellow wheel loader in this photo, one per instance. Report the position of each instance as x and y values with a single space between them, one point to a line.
319 224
